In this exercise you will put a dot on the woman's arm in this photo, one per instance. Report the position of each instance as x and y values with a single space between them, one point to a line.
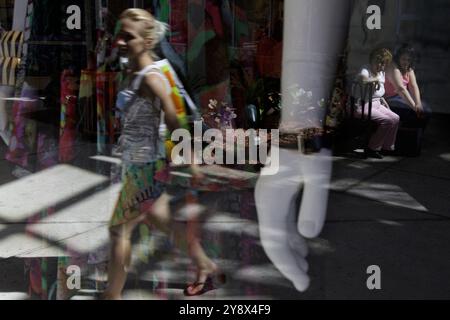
396 78
415 92
365 77
154 86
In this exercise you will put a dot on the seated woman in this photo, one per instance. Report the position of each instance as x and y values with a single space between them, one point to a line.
383 139
402 91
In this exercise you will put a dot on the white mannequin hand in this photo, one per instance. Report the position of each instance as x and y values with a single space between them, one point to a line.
316 169
314 38
275 197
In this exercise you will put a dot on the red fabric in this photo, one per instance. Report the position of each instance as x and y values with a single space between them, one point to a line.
106 101
216 18
268 58
69 99
23 138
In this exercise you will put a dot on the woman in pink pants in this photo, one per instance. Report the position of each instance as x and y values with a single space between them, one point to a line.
383 139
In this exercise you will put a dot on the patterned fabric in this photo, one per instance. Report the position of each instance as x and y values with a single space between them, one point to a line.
140 138
11 44
180 98
106 100
140 141
177 92
142 185
69 98
339 98
87 108
23 137
8 71
20 78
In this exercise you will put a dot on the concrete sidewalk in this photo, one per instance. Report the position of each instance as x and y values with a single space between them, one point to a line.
394 213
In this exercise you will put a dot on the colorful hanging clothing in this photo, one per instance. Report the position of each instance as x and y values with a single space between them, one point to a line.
336 109
21 69
23 138
87 109
106 100
11 43
68 132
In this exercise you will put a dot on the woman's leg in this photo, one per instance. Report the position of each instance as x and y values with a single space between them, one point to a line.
185 231
127 215
384 130
120 257
391 132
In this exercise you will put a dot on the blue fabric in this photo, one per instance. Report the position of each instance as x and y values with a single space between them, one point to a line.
408 117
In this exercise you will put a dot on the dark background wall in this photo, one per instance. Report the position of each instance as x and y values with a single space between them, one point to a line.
421 23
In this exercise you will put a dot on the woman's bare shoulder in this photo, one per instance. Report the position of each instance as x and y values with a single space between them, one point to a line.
153 85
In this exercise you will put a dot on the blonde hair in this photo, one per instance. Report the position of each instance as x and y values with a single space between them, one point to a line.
381 55
153 29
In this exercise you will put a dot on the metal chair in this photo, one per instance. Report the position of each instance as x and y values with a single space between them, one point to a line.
357 127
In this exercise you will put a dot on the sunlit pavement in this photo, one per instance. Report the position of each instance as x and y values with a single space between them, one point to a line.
393 213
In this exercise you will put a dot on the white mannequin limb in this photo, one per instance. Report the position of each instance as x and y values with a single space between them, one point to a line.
314 36
316 169
275 203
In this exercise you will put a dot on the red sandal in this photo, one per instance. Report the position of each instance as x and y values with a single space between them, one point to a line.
212 282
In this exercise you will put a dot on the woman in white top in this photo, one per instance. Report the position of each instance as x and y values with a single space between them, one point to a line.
144 187
383 139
